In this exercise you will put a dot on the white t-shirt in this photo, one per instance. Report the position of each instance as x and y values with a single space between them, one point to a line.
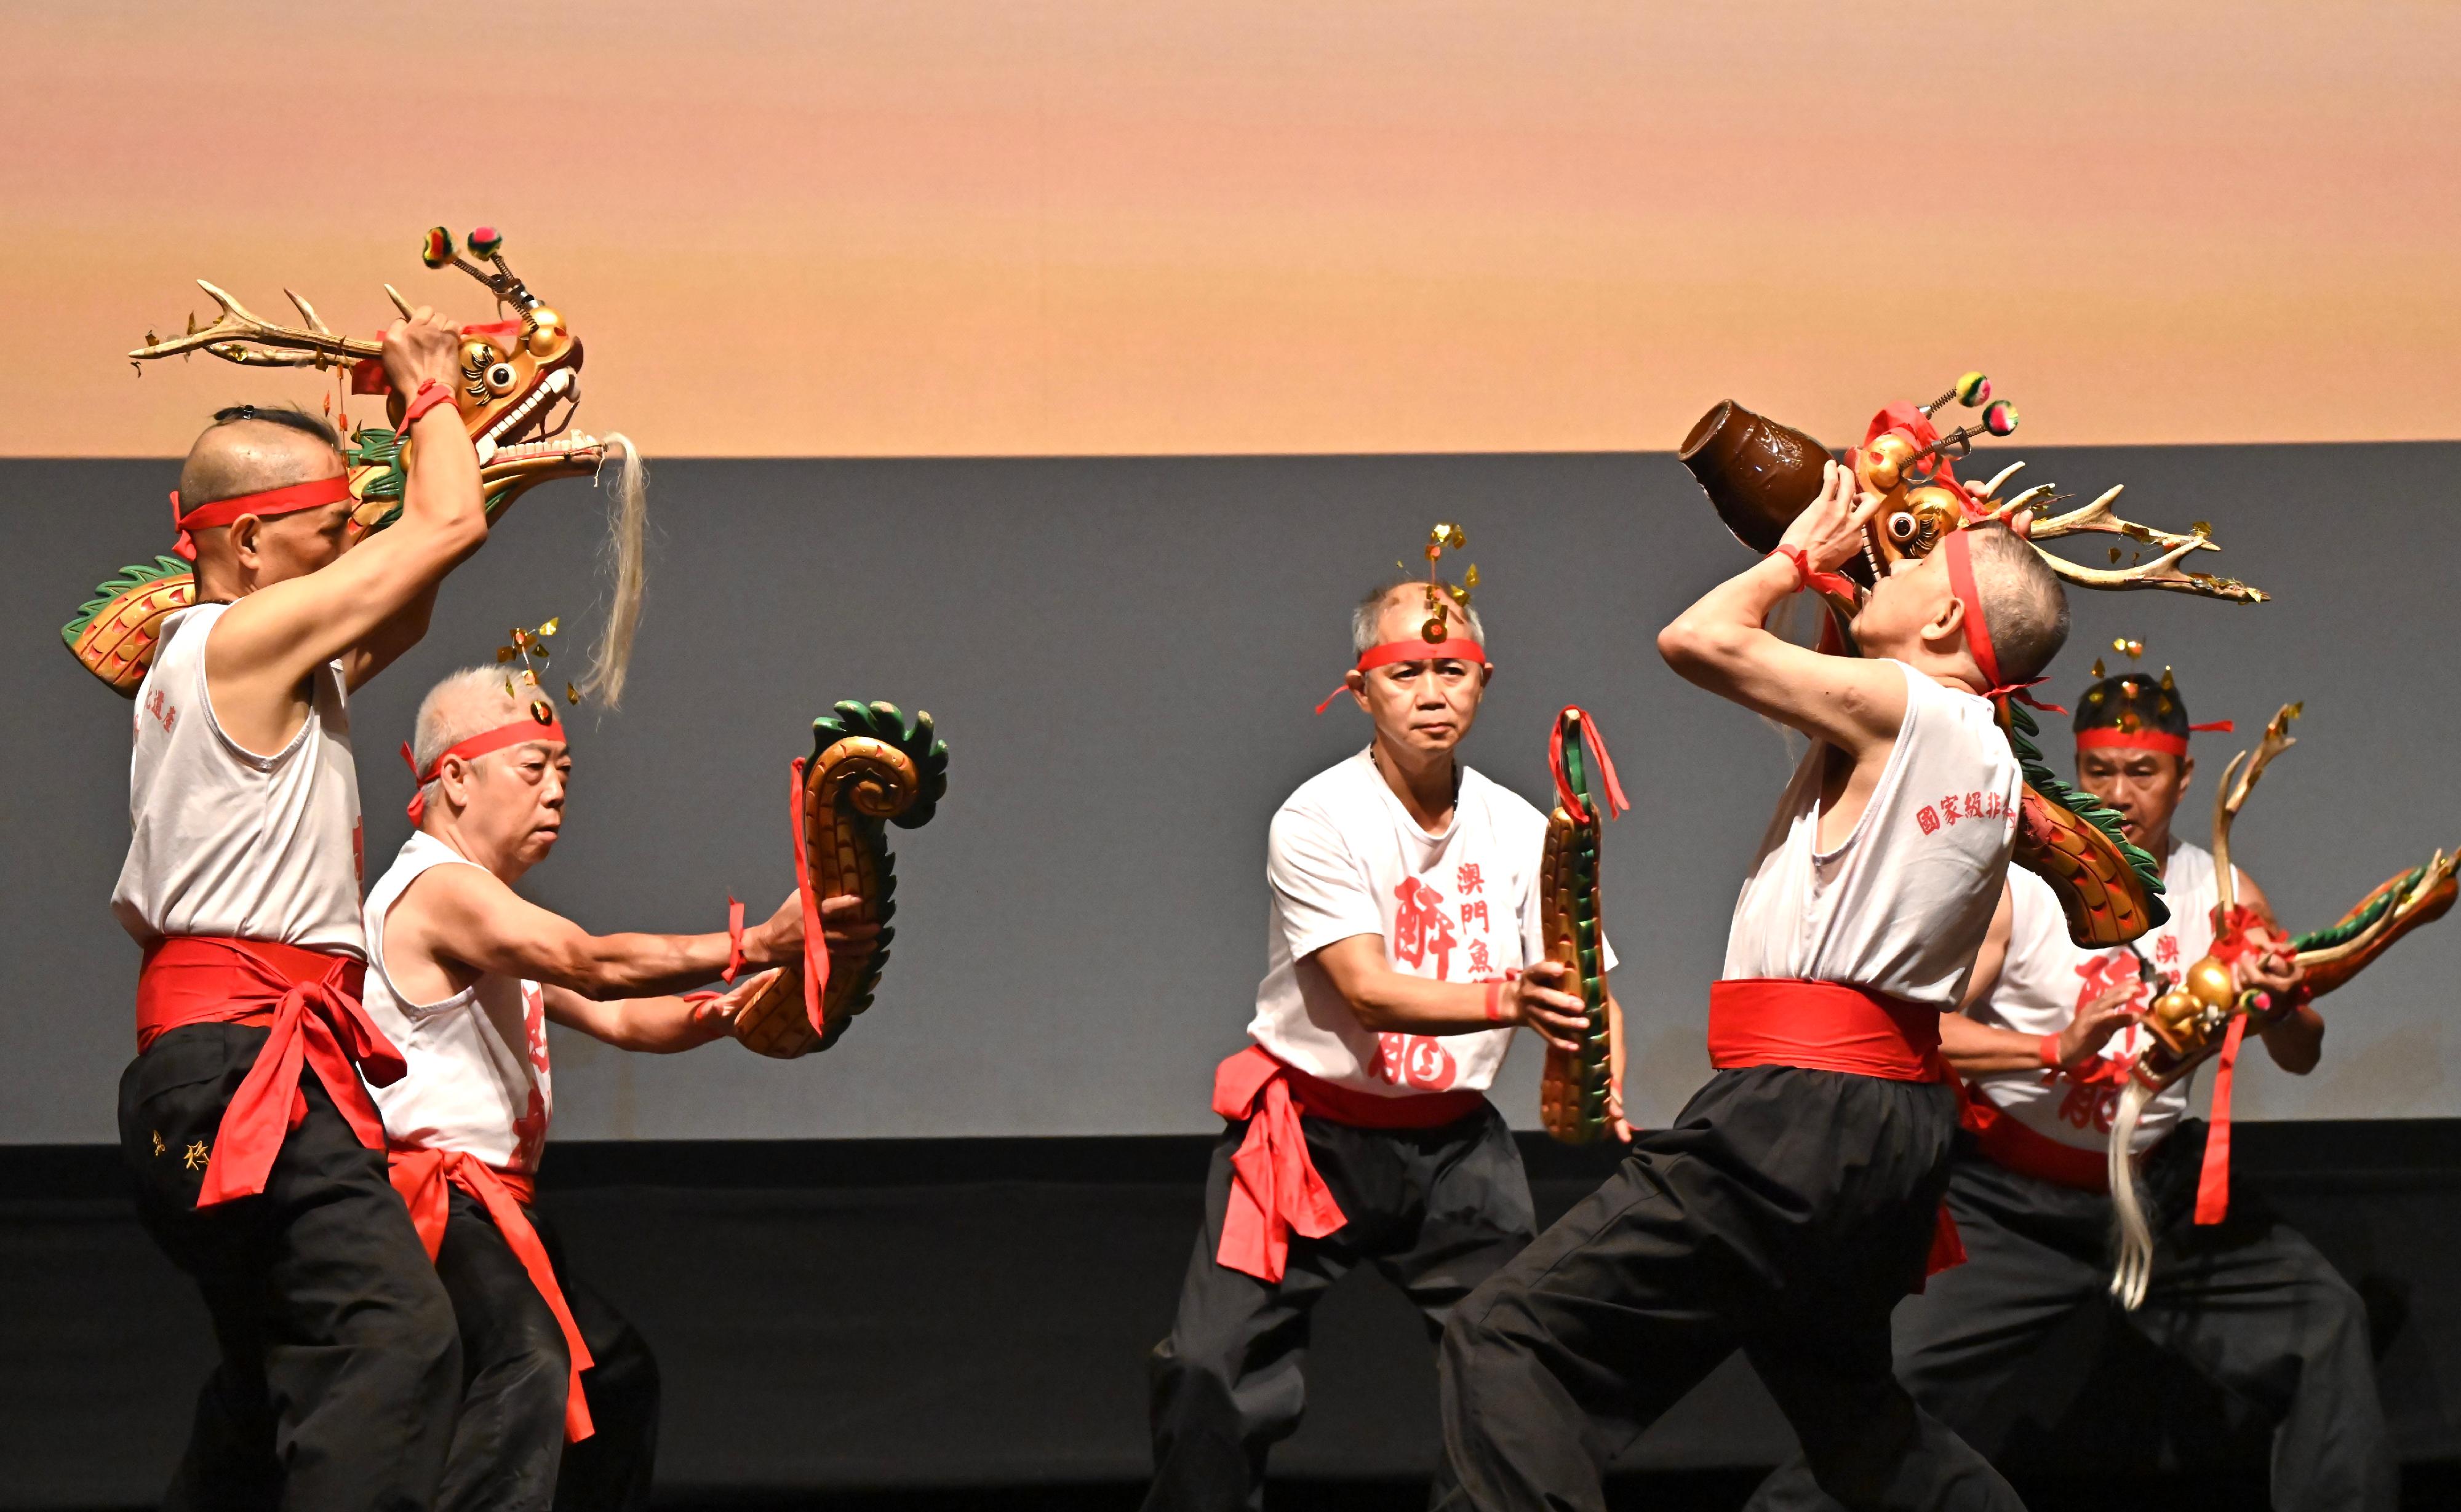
1344 859
1903 904
224 842
2046 977
477 1077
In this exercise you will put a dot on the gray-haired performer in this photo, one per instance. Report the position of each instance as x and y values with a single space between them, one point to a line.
1404 950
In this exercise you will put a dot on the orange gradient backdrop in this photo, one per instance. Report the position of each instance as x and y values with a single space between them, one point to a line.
999 227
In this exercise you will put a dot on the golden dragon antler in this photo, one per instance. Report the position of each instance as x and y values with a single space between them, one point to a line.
2099 519
2230 796
238 334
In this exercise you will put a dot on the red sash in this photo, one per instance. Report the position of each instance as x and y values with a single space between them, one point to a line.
311 1000
2008 1142
1829 1026
1274 1185
1821 1026
421 1174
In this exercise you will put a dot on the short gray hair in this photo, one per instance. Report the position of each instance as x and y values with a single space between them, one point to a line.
469 702
2024 605
1363 619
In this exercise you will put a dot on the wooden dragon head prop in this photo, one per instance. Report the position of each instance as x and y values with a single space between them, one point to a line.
1759 475
519 390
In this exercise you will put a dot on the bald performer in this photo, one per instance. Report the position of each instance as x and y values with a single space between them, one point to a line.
560 1394
258 1152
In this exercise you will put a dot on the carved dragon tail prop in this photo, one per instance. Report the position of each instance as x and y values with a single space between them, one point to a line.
870 769
1573 1089
2110 889
2205 1015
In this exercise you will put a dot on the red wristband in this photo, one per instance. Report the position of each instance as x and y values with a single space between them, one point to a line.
2048 1047
734 939
430 395
1801 560
1495 1002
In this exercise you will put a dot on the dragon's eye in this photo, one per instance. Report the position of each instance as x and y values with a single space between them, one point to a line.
501 378
1902 528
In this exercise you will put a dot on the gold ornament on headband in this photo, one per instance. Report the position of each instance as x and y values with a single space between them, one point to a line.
1437 629
530 647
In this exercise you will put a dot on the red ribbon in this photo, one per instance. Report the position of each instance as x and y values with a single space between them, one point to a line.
521 731
2109 737
816 955
420 1175
2213 1182
1834 584
311 1001
1977 630
265 504
1275 1190
1459 649
1596 748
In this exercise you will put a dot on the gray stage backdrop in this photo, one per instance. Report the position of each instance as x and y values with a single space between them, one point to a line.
1122 654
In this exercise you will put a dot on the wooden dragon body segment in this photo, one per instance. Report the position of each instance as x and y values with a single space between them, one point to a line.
520 388
1573 1090
1759 475
2192 1020
870 768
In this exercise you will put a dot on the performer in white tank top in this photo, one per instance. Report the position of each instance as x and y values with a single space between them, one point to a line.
1796 1198
465 975
258 1151
228 841
2047 1050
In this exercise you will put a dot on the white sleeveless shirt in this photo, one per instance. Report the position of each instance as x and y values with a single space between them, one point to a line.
2046 977
478 1076
1902 906
225 842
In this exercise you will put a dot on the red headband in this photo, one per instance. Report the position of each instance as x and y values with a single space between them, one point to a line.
270 502
1457 650
521 731
2110 735
1977 630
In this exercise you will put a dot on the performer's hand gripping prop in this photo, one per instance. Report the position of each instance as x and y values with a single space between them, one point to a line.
519 391
1575 1090
2204 1014
870 769
1759 475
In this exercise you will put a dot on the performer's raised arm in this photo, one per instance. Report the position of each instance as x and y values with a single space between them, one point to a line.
1722 643
299 600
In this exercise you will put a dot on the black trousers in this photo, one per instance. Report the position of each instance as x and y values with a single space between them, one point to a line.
1436 1210
2248 1302
510 1452
340 1369
1784 1214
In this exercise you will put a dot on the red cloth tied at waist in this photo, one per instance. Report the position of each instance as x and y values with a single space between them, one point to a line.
1830 1026
1275 1186
421 1174
1821 1026
310 1001
2007 1141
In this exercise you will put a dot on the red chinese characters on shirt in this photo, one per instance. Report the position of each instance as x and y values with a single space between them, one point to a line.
1419 1062
2094 1107
529 1130
1954 807
1420 927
